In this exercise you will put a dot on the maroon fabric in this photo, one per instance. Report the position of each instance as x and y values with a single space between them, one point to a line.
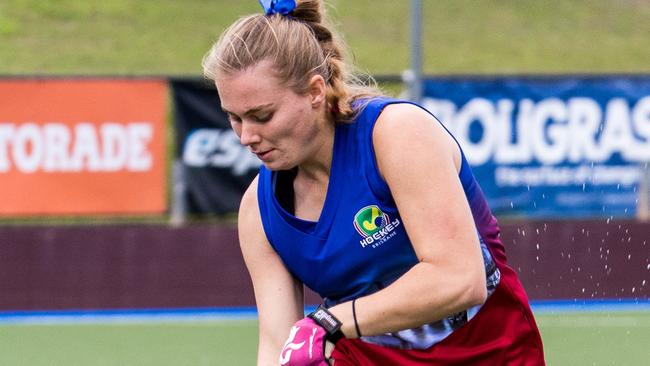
502 333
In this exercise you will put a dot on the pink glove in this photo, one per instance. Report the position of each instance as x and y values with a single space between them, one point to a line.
305 345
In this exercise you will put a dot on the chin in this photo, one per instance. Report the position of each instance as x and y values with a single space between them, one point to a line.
278 166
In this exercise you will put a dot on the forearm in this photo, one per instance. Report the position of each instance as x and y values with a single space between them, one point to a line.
267 353
274 327
422 295
278 310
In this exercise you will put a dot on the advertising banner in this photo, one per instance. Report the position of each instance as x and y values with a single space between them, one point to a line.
82 146
217 168
550 146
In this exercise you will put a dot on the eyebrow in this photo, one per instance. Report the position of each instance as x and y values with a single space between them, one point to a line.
252 110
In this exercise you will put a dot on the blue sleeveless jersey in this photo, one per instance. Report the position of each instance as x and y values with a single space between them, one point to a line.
359 244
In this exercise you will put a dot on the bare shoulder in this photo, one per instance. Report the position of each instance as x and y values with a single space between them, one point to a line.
401 110
248 208
411 132
251 231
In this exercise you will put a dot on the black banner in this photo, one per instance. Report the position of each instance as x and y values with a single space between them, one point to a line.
217 168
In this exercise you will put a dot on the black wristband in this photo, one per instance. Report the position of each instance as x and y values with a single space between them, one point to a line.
329 322
354 316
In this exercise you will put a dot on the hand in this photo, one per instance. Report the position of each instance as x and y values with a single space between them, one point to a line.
305 345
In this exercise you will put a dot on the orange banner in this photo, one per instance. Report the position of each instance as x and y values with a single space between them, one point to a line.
82 146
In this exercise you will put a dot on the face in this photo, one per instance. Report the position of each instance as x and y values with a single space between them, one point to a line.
282 128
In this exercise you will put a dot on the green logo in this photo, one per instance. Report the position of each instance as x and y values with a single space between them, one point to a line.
369 220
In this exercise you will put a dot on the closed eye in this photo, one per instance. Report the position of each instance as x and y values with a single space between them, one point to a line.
233 118
263 118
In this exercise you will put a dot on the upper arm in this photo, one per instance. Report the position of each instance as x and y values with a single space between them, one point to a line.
278 295
420 161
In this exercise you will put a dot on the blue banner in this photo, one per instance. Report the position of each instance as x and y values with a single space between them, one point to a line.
550 146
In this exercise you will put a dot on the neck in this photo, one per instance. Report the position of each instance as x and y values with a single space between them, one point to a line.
318 166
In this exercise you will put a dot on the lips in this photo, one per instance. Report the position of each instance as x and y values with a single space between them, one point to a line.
263 155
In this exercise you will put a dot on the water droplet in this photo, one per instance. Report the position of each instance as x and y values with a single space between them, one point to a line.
643 283
537 245
629 256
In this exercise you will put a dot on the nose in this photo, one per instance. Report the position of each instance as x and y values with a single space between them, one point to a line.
249 134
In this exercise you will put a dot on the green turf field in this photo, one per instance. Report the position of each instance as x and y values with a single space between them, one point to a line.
615 338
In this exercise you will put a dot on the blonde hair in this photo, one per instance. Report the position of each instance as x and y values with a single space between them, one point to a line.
299 45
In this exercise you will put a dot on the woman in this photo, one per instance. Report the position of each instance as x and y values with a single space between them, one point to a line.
366 200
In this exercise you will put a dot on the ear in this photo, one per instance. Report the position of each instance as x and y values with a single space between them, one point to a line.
317 91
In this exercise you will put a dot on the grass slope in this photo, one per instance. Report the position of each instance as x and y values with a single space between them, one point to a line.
460 36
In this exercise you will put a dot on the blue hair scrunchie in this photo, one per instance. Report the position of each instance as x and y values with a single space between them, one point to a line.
283 7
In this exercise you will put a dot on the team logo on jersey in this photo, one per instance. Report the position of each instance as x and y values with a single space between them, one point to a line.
374 226
369 220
